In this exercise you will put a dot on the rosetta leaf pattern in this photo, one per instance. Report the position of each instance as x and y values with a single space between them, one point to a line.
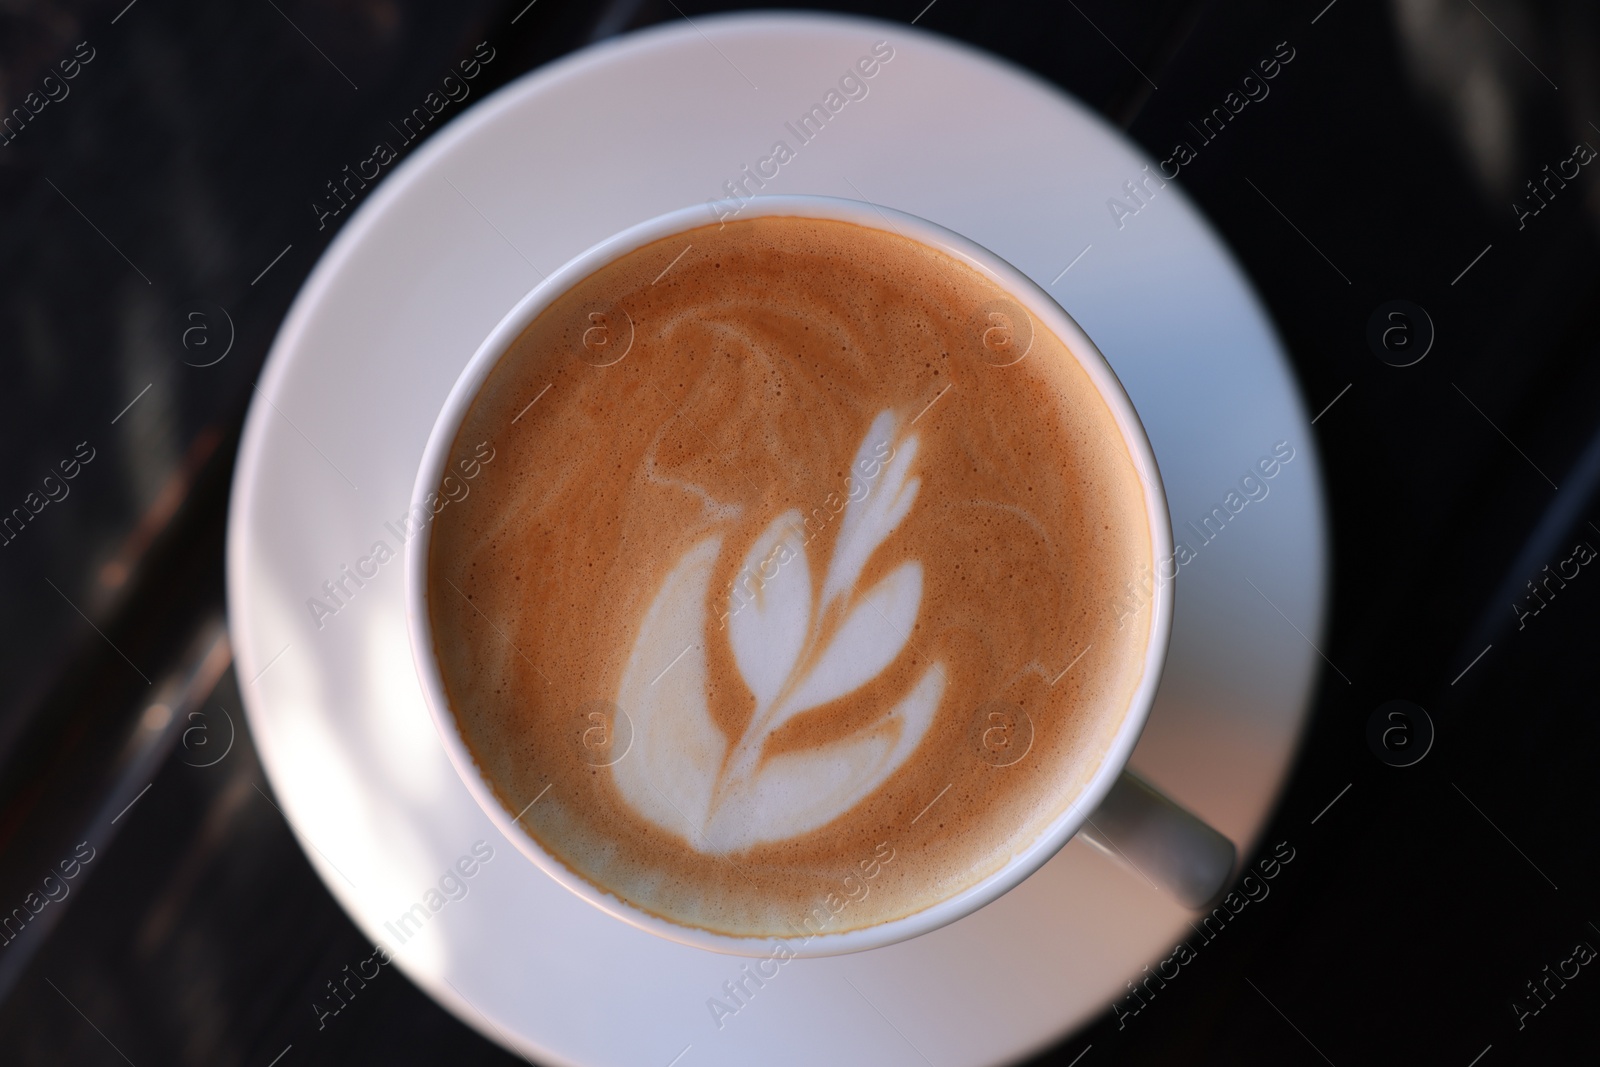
872 517
798 645
768 630
863 646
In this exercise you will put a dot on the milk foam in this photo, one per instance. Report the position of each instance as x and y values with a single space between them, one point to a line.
788 580
795 652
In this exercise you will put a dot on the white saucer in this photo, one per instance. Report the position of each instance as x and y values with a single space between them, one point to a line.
519 184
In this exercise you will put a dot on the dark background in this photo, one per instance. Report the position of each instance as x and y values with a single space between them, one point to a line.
1417 907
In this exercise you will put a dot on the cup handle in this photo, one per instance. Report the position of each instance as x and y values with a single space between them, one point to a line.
1165 844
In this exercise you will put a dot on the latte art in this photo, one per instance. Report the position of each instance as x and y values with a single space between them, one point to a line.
803 543
795 652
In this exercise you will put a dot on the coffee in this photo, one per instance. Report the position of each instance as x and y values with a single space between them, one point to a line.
798 597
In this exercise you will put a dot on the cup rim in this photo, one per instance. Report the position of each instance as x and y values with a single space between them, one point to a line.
1038 303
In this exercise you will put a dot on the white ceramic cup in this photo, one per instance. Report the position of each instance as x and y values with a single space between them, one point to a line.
1115 811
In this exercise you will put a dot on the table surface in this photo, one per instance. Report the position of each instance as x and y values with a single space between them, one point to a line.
158 219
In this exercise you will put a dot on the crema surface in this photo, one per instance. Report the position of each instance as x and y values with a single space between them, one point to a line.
808 583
